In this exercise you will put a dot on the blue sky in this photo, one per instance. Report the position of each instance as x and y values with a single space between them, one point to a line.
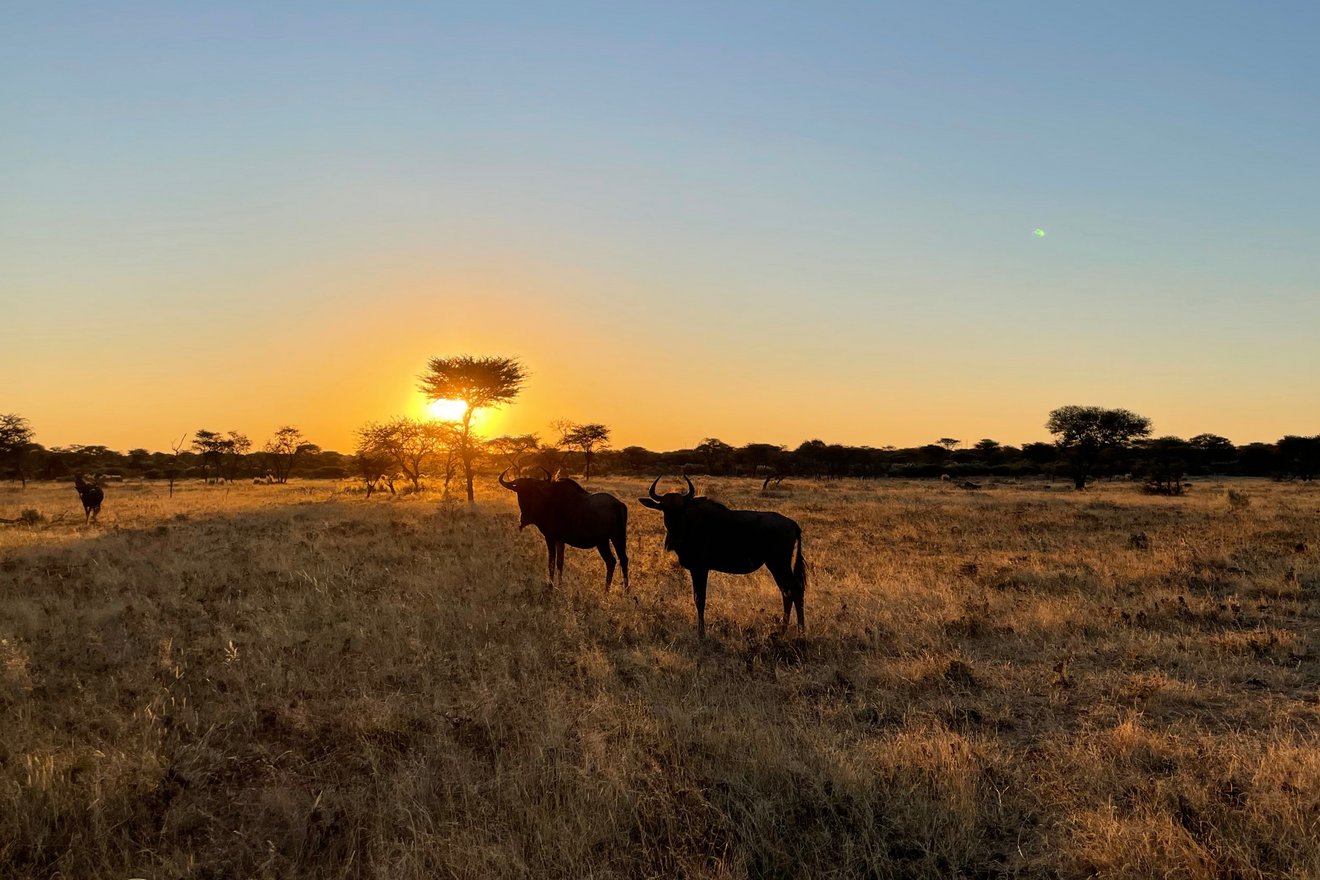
764 222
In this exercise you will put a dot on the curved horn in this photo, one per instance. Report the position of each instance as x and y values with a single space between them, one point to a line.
692 490
508 484
548 475
651 491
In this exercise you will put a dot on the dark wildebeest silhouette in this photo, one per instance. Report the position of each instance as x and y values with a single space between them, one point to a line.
91 495
568 514
707 536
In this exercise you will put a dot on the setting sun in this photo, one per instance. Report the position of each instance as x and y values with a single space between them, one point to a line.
446 410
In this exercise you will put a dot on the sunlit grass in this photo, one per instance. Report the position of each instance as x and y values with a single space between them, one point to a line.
290 681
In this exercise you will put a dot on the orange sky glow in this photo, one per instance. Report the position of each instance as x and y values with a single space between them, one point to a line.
665 382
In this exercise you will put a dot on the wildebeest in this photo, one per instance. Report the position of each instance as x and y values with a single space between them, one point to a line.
707 536
91 495
568 514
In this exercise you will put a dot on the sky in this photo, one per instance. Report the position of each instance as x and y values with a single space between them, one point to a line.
763 222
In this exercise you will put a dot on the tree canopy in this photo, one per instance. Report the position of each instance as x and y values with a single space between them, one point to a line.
586 439
1087 435
481 383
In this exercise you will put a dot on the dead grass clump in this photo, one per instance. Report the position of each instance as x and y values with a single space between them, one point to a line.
1186 805
1236 500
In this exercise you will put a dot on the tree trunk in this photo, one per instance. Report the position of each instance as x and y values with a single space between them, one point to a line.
467 453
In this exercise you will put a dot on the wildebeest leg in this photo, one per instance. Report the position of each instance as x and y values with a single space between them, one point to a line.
699 577
604 549
790 586
621 547
550 560
559 562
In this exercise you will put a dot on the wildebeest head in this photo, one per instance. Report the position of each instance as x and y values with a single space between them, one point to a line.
671 504
534 494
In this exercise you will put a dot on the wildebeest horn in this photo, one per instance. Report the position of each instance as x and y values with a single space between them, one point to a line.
505 483
651 492
548 475
692 490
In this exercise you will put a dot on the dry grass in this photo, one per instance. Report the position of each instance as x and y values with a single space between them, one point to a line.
290 682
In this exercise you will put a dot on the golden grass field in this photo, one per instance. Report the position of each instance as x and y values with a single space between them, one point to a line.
291 681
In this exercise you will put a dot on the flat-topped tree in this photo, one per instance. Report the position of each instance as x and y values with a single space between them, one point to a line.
481 383
587 439
15 440
281 452
1087 434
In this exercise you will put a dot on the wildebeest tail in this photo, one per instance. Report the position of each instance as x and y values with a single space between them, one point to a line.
800 566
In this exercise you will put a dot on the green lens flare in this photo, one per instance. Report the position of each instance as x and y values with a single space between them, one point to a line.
1039 233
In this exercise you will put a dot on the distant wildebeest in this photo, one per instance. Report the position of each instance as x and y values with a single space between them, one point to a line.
568 514
707 536
91 495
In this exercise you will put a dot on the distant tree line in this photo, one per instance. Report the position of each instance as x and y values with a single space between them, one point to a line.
1291 457
202 454
1090 443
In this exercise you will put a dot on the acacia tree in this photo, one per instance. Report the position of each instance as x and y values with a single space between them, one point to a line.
481 383
282 451
990 449
1086 434
236 446
15 441
586 439
211 447
716 453
410 445
1212 450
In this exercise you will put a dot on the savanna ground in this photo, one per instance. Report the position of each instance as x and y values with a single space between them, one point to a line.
291 681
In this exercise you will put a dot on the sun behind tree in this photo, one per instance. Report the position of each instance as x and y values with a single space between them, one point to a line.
446 410
480 383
